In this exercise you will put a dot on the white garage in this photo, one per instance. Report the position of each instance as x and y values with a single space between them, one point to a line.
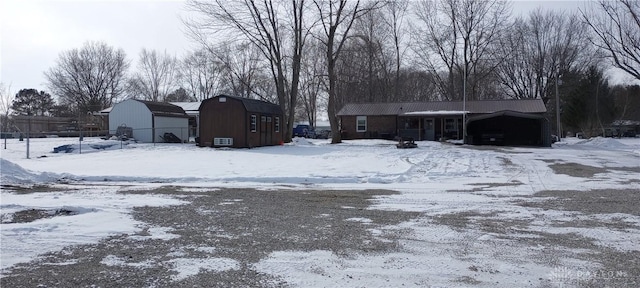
150 122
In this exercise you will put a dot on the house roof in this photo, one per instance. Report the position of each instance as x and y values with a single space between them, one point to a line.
625 123
443 107
253 105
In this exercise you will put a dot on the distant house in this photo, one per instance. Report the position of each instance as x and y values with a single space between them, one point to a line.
149 121
228 121
624 128
498 122
41 126
193 110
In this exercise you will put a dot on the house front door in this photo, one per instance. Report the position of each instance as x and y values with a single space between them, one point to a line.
429 129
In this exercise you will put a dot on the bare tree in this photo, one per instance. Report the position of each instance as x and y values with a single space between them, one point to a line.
279 36
455 41
202 73
6 99
538 50
616 30
156 76
337 18
90 78
371 59
312 85
397 10
244 73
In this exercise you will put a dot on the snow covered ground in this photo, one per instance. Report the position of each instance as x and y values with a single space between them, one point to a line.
436 179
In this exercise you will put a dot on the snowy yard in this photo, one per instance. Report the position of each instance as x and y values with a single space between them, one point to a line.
311 214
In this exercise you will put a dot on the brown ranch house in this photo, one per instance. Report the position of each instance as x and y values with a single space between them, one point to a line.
492 122
228 121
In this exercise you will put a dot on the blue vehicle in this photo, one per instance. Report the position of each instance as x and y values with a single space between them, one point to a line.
302 130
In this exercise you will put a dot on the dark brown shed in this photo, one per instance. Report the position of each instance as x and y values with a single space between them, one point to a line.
228 121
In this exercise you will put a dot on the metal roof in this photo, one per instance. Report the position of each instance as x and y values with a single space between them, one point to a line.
190 108
165 109
472 107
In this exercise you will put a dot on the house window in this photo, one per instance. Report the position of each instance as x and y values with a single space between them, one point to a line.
277 124
450 124
361 124
263 118
269 119
254 120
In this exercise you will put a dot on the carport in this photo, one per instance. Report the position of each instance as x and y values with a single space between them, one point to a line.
508 128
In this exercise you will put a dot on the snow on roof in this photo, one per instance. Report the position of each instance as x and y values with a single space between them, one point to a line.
188 106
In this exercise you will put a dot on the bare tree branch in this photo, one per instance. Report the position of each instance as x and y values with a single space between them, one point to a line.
156 76
616 29
262 23
90 78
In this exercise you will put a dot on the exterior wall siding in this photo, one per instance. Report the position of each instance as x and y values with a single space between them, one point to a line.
230 119
377 127
177 126
265 134
134 114
223 120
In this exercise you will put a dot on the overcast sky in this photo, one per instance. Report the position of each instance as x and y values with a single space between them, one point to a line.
34 32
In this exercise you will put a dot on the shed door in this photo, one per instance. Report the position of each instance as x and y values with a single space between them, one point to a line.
429 129
263 130
269 130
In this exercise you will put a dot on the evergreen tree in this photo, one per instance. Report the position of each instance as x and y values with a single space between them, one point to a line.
32 102
590 107
179 95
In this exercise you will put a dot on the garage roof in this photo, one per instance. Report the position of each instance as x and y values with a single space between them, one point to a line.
164 109
445 107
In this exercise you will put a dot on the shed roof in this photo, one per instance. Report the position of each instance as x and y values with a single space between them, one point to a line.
472 107
253 105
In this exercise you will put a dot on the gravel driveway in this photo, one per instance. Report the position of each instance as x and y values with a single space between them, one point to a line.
236 226
216 239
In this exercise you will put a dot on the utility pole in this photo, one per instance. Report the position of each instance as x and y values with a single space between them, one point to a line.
559 127
464 105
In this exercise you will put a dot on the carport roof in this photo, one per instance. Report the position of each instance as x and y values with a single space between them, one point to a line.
445 107
505 113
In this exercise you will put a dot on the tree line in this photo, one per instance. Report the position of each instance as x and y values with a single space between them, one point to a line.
312 55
